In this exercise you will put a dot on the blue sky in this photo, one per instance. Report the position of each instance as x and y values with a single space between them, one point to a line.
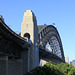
61 12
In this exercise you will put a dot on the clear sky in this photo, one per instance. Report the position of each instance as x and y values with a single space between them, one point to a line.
61 12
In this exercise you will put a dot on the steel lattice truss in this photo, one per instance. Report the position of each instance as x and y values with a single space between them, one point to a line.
50 42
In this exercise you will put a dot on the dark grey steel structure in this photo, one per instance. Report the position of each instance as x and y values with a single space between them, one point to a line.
50 44
10 42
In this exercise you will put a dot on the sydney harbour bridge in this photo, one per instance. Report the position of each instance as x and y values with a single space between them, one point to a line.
20 53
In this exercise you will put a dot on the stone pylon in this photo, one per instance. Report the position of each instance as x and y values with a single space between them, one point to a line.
66 59
29 26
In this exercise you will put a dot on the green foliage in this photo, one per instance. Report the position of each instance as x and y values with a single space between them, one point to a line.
50 69
72 72
66 68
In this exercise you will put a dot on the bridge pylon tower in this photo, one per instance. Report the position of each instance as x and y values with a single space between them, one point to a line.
29 26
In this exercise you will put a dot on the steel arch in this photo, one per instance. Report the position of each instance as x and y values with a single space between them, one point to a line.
46 32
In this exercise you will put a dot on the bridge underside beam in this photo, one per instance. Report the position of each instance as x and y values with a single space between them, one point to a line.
8 34
11 44
48 55
9 49
9 55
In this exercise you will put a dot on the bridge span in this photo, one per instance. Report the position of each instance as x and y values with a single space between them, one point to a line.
50 44
21 53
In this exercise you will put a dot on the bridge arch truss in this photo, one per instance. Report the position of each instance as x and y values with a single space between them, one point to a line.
50 41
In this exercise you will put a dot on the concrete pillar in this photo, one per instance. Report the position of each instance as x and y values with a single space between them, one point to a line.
29 25
28 59
15 67
24 56
4 65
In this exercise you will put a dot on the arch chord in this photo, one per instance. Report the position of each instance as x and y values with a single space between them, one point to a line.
51 41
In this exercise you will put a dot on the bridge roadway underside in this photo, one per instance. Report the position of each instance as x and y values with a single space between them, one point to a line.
10 43
8 48
48 56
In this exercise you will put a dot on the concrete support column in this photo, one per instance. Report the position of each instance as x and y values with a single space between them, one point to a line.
34 57
25 55
4 65
15 67
28 59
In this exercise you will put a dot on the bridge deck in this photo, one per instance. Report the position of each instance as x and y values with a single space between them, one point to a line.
49 55
10 42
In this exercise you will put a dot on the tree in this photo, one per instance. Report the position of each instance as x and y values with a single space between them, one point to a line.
50 69
66 68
